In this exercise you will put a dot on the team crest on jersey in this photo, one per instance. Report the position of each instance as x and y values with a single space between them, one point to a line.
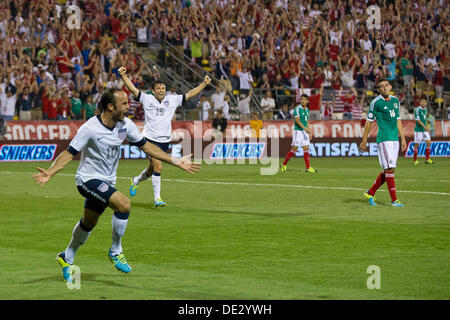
122 133
166 103
103 187
395 105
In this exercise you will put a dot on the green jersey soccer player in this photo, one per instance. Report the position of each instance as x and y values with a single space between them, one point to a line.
385 109
422 132
300 134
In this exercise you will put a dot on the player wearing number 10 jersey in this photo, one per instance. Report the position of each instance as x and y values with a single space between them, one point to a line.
385 109
159 109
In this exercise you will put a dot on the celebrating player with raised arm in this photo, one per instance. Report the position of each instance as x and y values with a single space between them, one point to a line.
159 110
385 108
99 140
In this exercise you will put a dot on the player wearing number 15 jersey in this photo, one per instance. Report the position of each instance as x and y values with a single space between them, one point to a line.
159 109
385 109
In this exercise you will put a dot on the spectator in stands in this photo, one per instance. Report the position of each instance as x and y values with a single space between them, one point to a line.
348 100
439 80
52 108
89 108
357 107
76 110
315 103
226 107
8 103
64 106
284 113
407 71
223 72
219 122
244 105
327 110
256 124
141 26
346 74
23 104
204 107
245 80
36 102
218 98
268 106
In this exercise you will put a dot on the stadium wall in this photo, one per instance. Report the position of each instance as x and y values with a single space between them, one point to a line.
334 129
44 140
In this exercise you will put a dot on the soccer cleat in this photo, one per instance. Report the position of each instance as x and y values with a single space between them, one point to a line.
119 261
159 203
311 169
370 197
416 162
429 161
397 203
66 267
133 188
283 168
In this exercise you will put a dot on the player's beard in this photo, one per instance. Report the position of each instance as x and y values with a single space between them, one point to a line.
118 116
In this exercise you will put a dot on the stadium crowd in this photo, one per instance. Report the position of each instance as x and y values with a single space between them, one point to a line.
56 66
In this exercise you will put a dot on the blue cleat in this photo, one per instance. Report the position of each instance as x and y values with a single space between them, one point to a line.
119 261
397 203
133 188
66 267
370 197
159 203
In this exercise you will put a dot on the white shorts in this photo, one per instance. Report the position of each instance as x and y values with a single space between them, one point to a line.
421 136
300 138
388 154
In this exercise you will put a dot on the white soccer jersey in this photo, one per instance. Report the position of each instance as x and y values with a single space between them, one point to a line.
158 115
100 148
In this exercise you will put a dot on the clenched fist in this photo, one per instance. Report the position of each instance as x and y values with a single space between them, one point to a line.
207 79
122 70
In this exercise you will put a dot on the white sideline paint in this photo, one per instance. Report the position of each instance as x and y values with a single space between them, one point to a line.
252 184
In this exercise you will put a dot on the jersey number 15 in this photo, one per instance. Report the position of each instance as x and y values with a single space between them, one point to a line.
159 111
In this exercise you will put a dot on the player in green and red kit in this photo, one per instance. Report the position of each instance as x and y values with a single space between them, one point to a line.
421 132
300 135
385 109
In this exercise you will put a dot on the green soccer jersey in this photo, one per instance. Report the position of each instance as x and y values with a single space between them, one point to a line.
420 114
386 112
303 114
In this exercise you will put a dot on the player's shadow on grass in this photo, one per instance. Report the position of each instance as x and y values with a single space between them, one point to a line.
262 214
363 201
146 205
88 277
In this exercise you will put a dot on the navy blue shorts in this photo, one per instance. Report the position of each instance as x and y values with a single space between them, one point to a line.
164 146
97 194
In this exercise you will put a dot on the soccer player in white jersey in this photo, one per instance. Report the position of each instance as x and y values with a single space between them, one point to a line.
99 140
159 110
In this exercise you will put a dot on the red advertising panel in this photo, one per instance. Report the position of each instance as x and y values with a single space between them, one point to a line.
335 129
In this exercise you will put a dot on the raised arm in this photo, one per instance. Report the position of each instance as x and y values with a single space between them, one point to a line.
192 93
123 73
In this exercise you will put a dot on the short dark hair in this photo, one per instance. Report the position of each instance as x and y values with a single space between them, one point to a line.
381 80
304 95
108 97
158 82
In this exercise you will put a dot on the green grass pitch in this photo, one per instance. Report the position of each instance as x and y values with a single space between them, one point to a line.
230 233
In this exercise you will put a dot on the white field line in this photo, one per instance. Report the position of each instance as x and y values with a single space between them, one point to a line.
277 185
